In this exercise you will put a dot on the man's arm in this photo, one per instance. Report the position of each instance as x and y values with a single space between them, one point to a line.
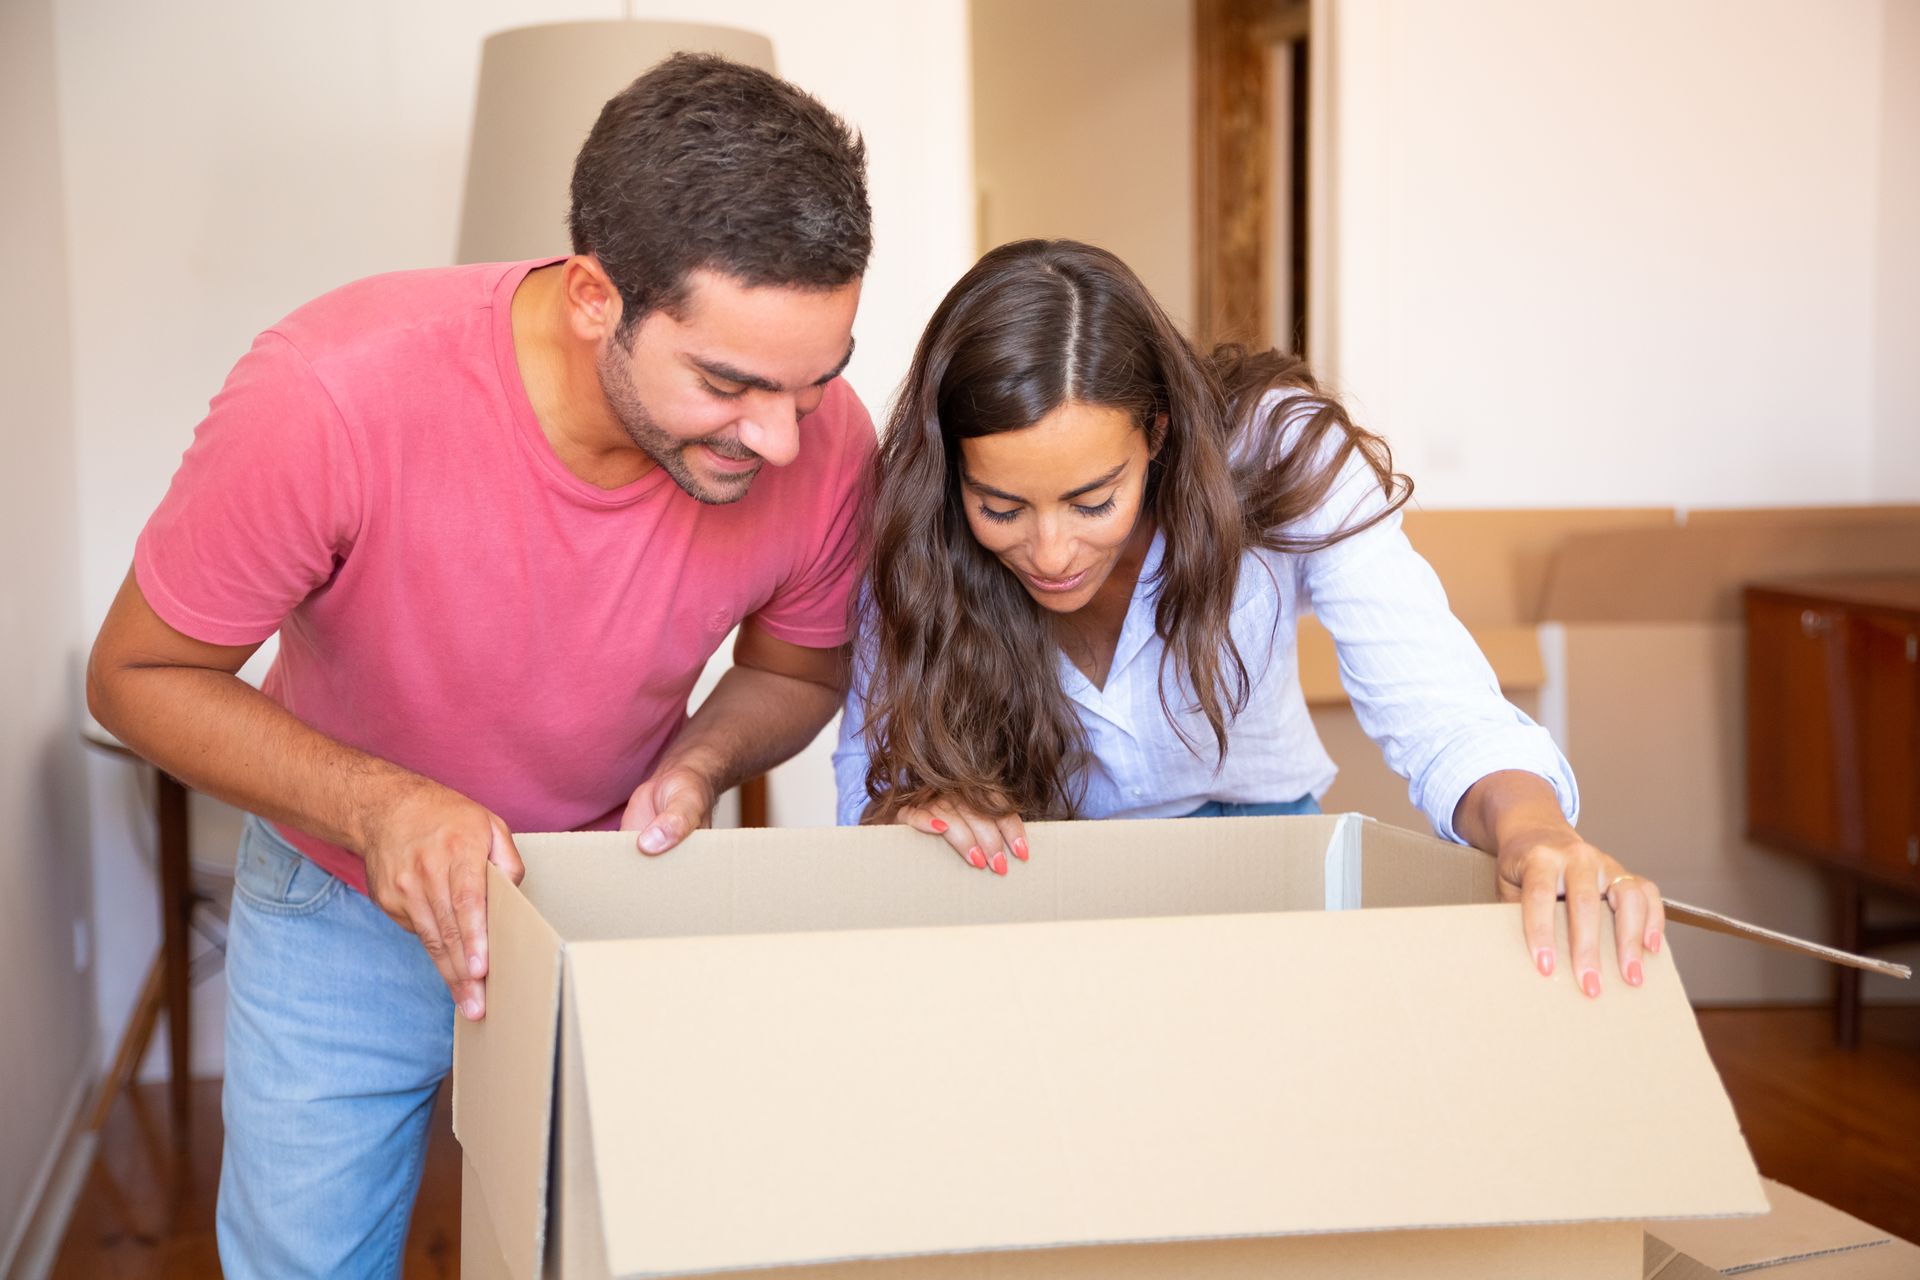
178 702
773 701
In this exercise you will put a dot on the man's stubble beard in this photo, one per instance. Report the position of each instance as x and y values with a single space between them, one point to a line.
668 451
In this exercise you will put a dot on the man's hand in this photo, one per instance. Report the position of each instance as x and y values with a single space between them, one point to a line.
427 868
668 807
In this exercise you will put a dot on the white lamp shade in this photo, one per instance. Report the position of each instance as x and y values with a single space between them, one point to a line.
541 89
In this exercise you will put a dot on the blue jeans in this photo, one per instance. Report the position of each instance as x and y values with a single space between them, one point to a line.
339 1031
1232 809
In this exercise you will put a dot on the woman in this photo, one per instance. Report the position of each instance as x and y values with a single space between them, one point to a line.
1091 547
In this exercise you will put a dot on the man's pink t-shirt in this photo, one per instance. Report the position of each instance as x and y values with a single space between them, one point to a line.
372 483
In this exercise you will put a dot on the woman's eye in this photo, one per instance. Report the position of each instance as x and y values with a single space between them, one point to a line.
1101 510
998 517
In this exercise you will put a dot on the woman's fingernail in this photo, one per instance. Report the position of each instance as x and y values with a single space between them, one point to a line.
1634 973
1590 982
1020 848
1653 942
939 827
977 858
999 864
1543 960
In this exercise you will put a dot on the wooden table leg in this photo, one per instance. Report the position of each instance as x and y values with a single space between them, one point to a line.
176 920
753 801
133 1044
1848 909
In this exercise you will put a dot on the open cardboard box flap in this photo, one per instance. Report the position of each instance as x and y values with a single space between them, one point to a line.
1154 1031
1805 1239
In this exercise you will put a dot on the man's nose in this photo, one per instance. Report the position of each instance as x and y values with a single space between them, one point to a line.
773 431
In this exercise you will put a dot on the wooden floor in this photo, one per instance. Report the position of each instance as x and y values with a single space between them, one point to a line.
1844 1127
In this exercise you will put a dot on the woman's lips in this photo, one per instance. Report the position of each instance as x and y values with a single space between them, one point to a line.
1053 586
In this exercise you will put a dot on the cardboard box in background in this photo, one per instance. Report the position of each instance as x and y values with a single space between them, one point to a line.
1620 631
1160 1048
1798 1239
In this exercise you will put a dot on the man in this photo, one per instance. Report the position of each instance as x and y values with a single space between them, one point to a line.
501 516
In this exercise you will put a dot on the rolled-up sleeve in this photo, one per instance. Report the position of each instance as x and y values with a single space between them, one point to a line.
1419 684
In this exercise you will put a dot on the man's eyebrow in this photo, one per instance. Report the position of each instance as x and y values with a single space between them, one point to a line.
727 373
1069 496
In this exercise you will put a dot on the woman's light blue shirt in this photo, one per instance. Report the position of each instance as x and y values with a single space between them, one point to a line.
1420 686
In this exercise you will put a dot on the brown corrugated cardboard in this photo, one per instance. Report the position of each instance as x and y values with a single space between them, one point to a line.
1639 661
1693 572
1798 1239
1664 1262
1495 564
1152 1051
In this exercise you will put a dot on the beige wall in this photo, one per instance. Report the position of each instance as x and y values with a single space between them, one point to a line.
1083 127
1896 457
46 995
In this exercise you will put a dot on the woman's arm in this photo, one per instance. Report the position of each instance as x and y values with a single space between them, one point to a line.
1482 771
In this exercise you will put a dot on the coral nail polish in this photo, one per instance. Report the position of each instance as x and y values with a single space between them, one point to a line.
1543 961
1653 943
1634 973
1020 848
999 864
1590 982
977 858
939 827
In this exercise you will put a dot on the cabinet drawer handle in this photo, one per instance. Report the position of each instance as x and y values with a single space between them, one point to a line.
1813 622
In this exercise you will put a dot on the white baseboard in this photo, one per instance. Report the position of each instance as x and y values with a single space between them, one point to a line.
35 1239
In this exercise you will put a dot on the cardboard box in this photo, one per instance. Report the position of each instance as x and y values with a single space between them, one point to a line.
1799 1239
1227 1048
1620 631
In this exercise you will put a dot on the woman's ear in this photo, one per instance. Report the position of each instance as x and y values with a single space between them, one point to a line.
1156 436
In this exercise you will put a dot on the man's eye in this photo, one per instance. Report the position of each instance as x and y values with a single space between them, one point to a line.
722 392
998 517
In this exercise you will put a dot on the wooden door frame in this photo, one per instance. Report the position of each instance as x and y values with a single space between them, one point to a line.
1234 187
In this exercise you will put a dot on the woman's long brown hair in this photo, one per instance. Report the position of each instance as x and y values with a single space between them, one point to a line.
963 698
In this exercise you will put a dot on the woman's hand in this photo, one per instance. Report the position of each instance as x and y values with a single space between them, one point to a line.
1537 869
984 843
1516 817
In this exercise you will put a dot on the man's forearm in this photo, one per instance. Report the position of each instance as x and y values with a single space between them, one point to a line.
752 721
225 738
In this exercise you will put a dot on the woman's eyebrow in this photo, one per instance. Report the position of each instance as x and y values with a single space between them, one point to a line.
1068 496
1089 487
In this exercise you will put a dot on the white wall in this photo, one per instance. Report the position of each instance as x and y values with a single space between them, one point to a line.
1083 127
46 987
1604 253
227 160
1896 449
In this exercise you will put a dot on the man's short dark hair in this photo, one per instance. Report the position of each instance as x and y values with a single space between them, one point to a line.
706 163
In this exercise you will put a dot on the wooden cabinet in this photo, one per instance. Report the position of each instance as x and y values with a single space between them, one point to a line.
1833 743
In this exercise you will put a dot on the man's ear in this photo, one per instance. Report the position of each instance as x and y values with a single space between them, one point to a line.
593 304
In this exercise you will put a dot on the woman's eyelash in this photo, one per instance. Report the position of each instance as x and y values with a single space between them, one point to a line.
1005 517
